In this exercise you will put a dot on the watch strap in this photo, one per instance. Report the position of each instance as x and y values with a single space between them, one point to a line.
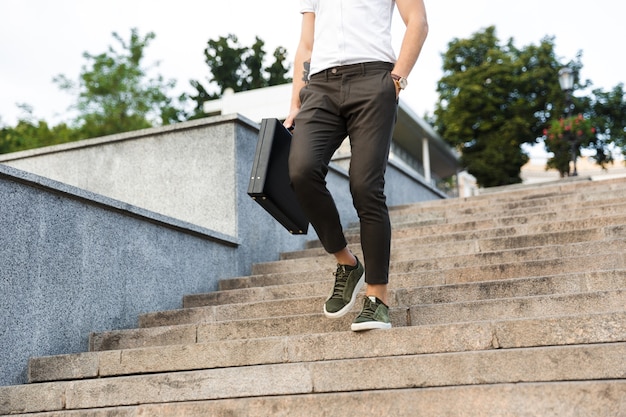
401 82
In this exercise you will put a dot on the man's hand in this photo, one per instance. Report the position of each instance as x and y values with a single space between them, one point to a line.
289 122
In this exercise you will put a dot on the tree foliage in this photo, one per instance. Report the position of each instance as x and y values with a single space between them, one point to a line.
598 126
29 134
495 97
239 68
115 92
607 111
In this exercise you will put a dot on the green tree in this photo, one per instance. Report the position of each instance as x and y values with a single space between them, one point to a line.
602 116
116 94
239 68
277 71
607 111
494 98
30 133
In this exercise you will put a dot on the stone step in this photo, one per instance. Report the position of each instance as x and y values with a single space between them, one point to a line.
574 193
305 315
502 219
430 290
443 259
229 330
545 399
461 213
559 185
406 298
473 242
511 288
609 253
419 274
534 268
473 207
497 334
490 228
534 306
500 366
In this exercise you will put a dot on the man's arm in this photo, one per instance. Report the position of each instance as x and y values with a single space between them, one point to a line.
303 55
413 14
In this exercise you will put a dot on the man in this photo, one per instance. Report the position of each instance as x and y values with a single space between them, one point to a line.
351 84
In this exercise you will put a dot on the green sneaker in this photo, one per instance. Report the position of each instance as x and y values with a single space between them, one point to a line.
375 315
348 283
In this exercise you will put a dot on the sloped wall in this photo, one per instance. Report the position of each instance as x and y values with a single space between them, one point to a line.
73 262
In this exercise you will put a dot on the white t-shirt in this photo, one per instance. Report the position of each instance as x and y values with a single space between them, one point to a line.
350 32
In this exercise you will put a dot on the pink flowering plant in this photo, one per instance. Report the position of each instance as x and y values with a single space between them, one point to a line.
564 133
580 127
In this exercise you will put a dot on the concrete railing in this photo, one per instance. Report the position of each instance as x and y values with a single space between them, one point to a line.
96 232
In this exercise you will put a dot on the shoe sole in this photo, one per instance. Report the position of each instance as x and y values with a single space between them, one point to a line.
370 325
350 304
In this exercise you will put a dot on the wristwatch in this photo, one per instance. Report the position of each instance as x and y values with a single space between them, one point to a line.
401 82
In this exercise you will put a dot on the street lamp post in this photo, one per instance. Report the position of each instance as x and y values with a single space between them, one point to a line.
566 80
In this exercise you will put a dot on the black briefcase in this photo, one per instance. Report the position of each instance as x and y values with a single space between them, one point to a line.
269 181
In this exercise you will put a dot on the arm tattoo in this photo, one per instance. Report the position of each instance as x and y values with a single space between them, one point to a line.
305 73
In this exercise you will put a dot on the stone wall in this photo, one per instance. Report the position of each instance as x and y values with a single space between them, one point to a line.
73 262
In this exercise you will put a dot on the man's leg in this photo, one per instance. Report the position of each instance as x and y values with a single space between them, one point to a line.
373 116
319 132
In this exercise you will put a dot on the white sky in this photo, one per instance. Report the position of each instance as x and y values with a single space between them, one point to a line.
40 39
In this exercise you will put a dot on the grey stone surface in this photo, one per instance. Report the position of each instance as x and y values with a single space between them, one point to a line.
571 399
183 171
74 262
537 306
400 341
493 366
547 399
136 338
184 386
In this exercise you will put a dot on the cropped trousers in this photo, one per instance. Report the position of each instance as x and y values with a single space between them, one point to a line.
356 101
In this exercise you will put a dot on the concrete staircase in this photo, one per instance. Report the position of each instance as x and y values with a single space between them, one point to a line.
511 303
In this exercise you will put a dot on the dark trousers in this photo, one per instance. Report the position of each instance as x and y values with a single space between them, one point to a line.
358 101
